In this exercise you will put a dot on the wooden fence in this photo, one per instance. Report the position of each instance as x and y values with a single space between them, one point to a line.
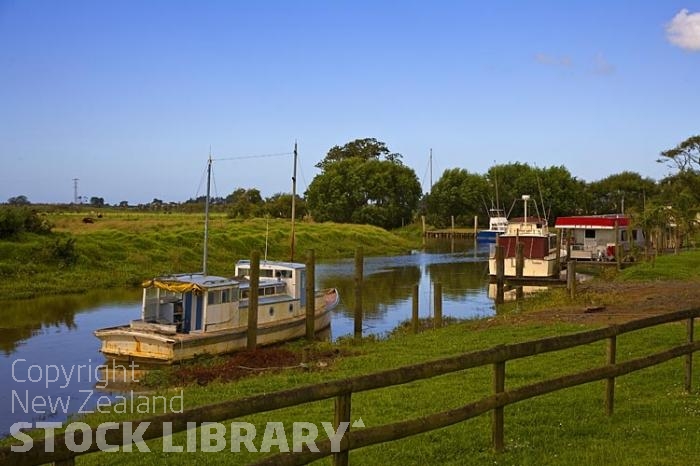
342 391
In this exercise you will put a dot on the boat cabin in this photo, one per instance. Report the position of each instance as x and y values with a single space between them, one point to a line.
593 237
187 303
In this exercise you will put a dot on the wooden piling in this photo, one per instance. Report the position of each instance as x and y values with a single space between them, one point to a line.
311 295
438 305
500 274
610 382
519 266
359 273
618 255
253 300
569 240
689 356
415 322
571 278
558 252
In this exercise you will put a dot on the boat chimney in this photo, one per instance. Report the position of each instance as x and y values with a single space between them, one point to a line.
526 197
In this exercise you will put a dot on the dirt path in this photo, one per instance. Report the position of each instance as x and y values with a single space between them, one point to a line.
603 302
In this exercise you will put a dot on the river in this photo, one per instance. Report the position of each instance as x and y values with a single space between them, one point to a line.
43 340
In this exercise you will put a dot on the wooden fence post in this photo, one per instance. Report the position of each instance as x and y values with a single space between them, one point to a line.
311 295
342 414
558 253
689 356
438 305
497 427
618 255
610 382
500 274
359 272
415 322
253 300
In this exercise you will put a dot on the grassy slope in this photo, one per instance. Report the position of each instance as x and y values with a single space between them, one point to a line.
123 249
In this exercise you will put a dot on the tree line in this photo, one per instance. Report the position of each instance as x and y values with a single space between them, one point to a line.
365 182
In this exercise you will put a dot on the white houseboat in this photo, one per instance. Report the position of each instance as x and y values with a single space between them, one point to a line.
498 223
593 236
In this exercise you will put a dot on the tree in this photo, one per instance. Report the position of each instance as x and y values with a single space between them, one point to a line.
685 156
457 193
245 203
97 201
363 149
626 191
18 200
357 186
280 206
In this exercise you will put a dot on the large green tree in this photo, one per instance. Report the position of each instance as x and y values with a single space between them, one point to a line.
457 193
626 191
363 182
685 156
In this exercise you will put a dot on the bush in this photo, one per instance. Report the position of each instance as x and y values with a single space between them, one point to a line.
64 252
17 220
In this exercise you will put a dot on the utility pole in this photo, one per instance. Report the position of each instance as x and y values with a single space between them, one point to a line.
294 198
75 191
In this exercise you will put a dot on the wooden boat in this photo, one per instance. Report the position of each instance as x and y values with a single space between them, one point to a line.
539 247
186 315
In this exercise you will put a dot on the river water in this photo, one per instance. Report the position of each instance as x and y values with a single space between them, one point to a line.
38 335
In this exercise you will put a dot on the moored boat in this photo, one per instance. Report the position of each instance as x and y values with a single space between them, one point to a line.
498 223
539 247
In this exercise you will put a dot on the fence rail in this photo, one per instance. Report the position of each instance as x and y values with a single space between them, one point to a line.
343 389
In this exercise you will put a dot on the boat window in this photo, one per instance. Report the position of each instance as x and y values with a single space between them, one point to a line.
272 311
226 296
214 297
284 274
280 289
623 235
267 273
291 307
590 234
635 236
245 293
243 271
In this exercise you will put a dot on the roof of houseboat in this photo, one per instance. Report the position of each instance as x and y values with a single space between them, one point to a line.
593 222
280 264
189 281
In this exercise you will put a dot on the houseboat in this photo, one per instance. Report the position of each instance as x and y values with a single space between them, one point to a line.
187 315
498 223
541 259
593 237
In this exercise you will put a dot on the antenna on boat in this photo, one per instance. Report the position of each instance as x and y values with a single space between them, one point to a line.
294 196
206 215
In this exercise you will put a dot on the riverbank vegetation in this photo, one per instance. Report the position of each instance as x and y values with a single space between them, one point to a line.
121 249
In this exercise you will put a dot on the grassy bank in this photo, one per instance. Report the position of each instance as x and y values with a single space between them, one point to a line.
655 422
122 249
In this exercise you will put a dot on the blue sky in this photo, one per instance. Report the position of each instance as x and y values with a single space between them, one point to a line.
128 96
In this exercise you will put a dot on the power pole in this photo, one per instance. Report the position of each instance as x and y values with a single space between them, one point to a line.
75 191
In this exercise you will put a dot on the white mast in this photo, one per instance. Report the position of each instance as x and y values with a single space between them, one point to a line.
294 198
206 216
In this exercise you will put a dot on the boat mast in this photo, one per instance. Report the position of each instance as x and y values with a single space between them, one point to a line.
206 216
294 198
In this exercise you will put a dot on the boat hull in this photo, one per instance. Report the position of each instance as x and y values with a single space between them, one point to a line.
532 268
487 236
126 343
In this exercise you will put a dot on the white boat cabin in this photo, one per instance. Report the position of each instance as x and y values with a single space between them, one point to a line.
593 236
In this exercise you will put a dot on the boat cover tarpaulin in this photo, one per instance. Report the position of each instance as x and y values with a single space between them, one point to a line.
175 286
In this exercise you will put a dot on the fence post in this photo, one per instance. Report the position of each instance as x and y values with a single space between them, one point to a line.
689 356
359 272
311 295
415 322
499 385
500 273
342 414
438 305
610 382
253 300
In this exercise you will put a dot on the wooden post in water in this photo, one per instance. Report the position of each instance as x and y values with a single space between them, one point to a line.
438 305
476 228
610 382
415 322
311 295
497 427
571 277
342 414
253 300
359 272
500 273
689 356
519 266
